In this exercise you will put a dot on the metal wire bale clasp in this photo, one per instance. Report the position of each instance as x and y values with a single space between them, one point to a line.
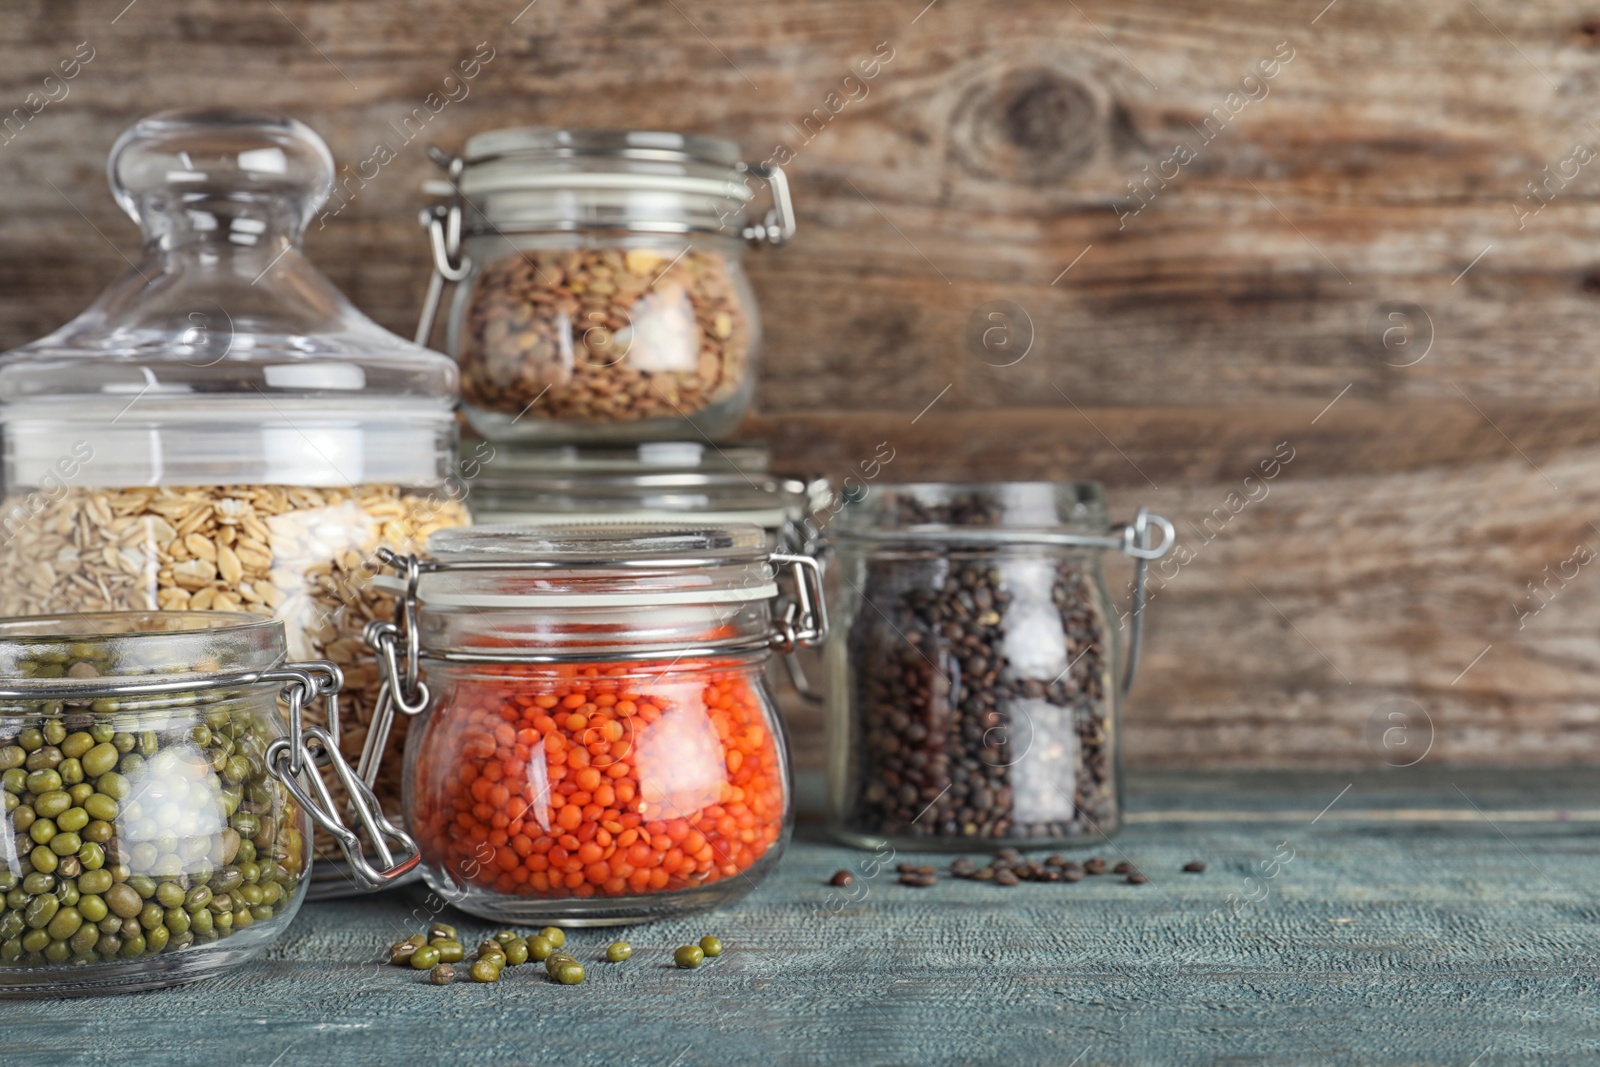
805 619
778 226
293 760
442 222
1136 543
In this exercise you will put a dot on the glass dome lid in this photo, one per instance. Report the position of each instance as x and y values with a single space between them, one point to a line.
224 355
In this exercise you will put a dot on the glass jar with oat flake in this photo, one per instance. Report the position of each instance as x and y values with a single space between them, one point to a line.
221 430
600 295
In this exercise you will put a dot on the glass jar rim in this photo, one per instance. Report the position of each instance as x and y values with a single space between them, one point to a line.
616 565
1065 512
139 648
535 142
521 462
560 546
534 180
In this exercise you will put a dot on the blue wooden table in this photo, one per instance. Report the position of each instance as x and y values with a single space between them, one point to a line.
1412 917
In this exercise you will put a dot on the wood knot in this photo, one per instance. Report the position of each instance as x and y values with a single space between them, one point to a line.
1587 32
1032 125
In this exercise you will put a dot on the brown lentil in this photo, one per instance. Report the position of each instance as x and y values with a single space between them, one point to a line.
606 334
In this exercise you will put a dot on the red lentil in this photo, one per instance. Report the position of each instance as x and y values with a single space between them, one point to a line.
566 781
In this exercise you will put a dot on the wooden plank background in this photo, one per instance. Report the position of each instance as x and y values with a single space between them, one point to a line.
1383 254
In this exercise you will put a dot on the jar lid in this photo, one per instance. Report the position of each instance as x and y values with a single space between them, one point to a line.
639 161
520 462
104 649
661 482
640 546
660 146
639 565
1065 512
224 355
543 180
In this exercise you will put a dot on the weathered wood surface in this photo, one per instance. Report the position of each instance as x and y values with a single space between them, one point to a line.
1388 162
1398 927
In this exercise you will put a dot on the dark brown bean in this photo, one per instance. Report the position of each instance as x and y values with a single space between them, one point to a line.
1122 868
1094 866
841 878
1006 878
1194 867
1138 878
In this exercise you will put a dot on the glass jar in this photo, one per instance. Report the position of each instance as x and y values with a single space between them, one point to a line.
221 430
597 743
601 295
157 816
976 671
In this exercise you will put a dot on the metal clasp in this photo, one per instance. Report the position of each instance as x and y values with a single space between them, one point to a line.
1136 543
443 225
779 224
402 688
293 757
805 619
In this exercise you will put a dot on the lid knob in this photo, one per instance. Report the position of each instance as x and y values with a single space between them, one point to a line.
220 169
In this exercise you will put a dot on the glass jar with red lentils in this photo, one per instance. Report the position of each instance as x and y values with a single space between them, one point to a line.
596 742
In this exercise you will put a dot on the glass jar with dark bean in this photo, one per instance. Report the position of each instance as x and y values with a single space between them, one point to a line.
978 663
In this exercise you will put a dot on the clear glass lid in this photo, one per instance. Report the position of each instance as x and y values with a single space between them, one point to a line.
658 482
224 356
947 510
114 646
640 564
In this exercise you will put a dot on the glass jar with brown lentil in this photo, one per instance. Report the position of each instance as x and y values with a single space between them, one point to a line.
601 295
977 665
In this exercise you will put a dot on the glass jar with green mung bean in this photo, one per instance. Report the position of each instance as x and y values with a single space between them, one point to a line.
157 791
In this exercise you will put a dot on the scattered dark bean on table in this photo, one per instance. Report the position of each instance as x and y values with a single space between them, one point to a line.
1138 878
841 878
1094 866
1194 867
1123 867
967 727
